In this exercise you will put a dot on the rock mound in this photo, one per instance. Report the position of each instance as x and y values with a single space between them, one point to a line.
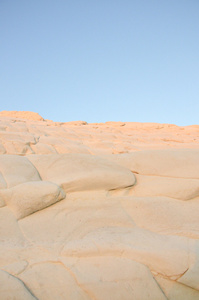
28 115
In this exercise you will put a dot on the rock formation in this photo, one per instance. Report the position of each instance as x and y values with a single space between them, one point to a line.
98 211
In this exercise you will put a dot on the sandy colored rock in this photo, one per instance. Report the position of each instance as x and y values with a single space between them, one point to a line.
27 198
29 132
102 277
158 214
175 291
3 184
190 278
166 255
16 268
10 233
28 115
79 172
177 188
168 163
98 211
13 288
62 284
17 169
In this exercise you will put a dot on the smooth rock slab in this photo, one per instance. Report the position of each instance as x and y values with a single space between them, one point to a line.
80 172
51 281
166 255
176 291
181 163
114 278
177 188
164 215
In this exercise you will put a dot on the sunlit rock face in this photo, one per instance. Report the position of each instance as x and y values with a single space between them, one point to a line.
98 211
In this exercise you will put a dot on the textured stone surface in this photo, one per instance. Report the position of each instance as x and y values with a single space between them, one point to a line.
13 288
98 211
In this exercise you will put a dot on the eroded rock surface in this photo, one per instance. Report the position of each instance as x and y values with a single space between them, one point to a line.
98 211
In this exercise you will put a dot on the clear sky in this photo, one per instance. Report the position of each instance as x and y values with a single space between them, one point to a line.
101 60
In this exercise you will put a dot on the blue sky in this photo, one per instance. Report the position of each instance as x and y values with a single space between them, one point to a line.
101 60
